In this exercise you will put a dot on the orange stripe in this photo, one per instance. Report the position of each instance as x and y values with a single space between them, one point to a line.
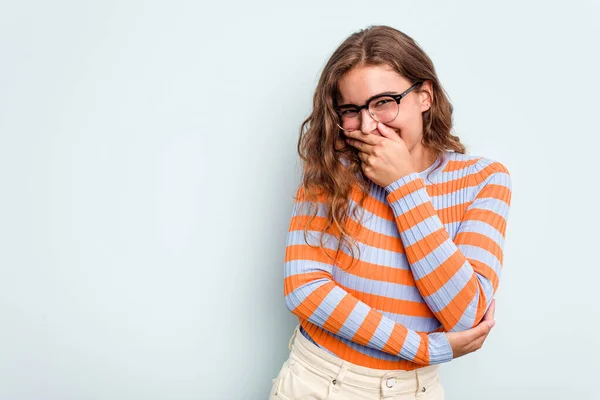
305 252
293 282
451 314
448 187
388 304
480 240
319 224
406 189
361 233
313 300
425 246
378 272
495 191
415 215
340 314
485 271
368 327
303 195
372 205
447 214
455 165
482 175
345 352
487 216
382 210
375 239
481 304
396 339
422 356
436 279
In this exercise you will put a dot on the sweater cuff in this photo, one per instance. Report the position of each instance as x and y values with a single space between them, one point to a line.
440 350
406 193
402 181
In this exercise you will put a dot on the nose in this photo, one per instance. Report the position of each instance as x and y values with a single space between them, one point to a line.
367 123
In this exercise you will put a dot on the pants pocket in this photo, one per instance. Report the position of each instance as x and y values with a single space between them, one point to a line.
434 390
300 381
277 379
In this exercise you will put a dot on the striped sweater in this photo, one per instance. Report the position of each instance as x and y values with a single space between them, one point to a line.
431 250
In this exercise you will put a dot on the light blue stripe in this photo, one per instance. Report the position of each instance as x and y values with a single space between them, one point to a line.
411 344
439 299
382 333
297 267
478 254
421 324
421 230
370 254
467 320
389 227
490 204
484 228
433 260
302 208
410 201
298 295
380 288
329 303
297 238
355 319
378 354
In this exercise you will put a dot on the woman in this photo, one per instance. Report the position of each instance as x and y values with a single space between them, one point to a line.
395 245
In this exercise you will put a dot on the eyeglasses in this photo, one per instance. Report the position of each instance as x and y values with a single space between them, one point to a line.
383 108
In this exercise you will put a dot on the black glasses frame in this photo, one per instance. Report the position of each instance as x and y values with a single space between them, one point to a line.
396 97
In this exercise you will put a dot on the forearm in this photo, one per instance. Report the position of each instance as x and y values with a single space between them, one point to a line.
314 296
457 279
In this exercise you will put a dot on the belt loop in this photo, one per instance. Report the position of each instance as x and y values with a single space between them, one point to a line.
293 336
419 372
418 379
336 383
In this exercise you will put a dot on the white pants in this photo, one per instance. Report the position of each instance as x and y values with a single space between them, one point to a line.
312 373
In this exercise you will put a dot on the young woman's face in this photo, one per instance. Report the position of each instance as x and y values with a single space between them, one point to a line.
361 83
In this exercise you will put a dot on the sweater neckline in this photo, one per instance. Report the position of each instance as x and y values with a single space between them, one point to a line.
428 169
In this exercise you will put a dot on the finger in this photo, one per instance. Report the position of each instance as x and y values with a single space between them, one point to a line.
363 137
388 132
363 157
479 331
477 344
480 340
489 314
362 146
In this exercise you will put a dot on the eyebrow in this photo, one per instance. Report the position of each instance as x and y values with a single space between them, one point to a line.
370 98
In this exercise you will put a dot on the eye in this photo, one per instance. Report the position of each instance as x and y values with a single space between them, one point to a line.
382 102
348 112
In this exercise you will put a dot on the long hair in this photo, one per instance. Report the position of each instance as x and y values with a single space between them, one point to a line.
326 178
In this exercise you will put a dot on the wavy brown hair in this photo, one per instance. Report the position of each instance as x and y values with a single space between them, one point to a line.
325 178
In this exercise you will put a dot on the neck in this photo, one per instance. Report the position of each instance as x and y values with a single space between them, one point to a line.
422 157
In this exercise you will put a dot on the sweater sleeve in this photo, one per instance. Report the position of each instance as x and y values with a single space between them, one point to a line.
312 294
457 278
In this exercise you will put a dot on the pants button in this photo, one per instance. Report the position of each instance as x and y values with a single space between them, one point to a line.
390 382
423 389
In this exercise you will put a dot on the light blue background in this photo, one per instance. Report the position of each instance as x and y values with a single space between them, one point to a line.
143 220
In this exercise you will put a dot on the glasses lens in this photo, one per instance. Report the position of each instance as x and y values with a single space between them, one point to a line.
349 119
384 108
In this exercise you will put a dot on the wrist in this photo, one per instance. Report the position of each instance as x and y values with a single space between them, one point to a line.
401 181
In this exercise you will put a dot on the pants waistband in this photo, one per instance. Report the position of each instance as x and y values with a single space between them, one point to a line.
345 372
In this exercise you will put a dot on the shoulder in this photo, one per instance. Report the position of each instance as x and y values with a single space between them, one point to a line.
475 171
472 163
485 171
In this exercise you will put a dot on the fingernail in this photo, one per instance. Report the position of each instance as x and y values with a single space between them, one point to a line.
491 323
